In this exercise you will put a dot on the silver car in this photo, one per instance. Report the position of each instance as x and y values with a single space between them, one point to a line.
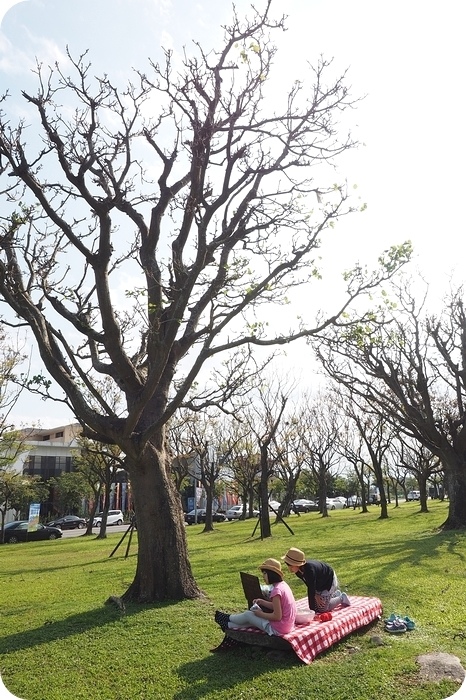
114 517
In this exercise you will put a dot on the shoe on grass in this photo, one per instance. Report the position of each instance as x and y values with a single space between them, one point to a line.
396 627
410 624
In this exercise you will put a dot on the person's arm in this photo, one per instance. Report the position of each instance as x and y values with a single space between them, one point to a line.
308 576
263 603
276 613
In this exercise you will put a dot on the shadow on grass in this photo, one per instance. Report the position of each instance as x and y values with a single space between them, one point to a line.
30 566
223 672
383 558
55 630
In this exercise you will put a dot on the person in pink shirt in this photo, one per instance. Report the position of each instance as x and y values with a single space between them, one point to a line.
279 615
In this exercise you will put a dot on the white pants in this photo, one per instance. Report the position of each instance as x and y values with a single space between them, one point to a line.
249 619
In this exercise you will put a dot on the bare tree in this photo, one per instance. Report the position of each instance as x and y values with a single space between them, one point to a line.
242 465
201 439
321 426
211 210
181 457
263 419
289 457
350 445
411 368
414 458
99 465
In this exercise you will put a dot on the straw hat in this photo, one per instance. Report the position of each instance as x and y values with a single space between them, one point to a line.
272 565
294 557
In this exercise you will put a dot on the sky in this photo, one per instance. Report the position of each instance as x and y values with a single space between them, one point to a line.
406 58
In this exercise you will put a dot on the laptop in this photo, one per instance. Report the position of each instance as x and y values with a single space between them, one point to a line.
251 587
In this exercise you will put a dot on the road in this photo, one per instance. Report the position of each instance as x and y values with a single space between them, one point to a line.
95 530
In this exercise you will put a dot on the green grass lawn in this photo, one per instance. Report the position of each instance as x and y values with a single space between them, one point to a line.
59 641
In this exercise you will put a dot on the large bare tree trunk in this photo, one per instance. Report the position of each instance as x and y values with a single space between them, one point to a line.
163 570
456 485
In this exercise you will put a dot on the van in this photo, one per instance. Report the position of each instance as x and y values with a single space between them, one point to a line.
114 517
413 496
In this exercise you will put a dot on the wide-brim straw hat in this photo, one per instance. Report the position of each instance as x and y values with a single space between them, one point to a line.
272 565
294 557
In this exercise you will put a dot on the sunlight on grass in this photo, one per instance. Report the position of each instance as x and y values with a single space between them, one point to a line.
58 640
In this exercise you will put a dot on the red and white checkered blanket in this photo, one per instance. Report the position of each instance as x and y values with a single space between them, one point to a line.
314 637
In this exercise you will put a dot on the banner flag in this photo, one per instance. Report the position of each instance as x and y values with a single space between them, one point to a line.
33 521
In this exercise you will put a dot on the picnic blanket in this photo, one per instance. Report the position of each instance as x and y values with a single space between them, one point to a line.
314 637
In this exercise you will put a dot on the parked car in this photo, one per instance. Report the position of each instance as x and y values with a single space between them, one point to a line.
200 514
413 496
304 505
114 517
68 522
235 513
17 531
334 503
342 499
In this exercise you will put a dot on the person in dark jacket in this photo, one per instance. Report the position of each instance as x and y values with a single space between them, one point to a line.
321 580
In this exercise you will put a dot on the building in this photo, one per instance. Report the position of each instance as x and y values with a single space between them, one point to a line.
49 451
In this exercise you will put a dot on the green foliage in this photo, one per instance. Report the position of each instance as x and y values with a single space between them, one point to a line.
29 489
395 256
71 488
162 651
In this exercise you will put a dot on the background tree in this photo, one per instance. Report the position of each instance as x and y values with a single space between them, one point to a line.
413 458
377 434
410 366
350 446
71 488
201 440
211 208
11 358
99 465
17 492
321 426
243 465
289 458
28 489
263 419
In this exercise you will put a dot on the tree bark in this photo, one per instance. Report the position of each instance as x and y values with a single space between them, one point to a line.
163 571
456 473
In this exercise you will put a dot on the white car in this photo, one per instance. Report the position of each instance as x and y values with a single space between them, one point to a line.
114 517
341 499
234 513
334 503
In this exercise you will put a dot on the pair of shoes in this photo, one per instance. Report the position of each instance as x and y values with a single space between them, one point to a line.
397 626
222 620
345 601
410 624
